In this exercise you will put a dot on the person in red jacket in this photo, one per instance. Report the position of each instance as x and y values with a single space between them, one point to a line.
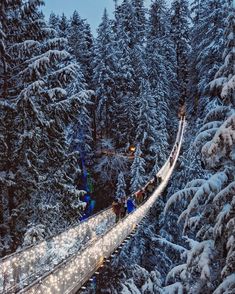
139 196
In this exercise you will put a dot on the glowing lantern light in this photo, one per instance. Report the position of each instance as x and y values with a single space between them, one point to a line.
132 148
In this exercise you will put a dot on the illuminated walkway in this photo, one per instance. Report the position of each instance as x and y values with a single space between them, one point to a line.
65 262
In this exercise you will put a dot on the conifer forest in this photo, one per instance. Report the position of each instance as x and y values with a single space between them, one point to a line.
89 120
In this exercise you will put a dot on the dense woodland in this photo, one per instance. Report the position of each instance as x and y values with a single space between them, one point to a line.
72 105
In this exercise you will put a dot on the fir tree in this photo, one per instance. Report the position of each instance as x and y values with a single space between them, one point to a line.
121 186
180 36
137 171
63 26
224 82
44 98
207 44
208 214
139 18
104 76
54 21
146 133
81 43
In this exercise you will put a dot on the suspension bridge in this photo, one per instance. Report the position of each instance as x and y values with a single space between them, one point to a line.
64 263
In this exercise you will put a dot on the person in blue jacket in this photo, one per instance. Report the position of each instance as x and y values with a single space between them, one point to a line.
91 207
130 205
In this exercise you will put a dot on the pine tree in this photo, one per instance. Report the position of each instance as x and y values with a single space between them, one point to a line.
208 214
130 68
160 53
81 43
161 63
180 36
146 133
137 171
43 94
127 110
139 18
224 82
104 76
54 21
207 45
63 26
121 186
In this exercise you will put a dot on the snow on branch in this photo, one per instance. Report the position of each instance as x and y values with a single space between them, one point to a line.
26 48
228 87
57 92
204 136
175 272
39 64
210 125
217 114
71 190
221 197
54 43
33 88
176 288
195 183
230 246
214 184
222 219
164 242
221 145
186 194
66 74
202 254
227 286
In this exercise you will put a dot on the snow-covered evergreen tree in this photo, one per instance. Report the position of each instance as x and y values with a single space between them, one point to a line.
161 62
125 86
207 44
81 43
63 26
121 186
224 83
139 18
208 215
180 35
43 99
137 171
54 21
146 132
104 76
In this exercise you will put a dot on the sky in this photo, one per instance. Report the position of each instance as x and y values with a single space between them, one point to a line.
92 10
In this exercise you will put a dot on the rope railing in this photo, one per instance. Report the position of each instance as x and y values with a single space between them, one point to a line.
72 273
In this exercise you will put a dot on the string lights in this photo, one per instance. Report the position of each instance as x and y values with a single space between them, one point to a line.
21 268
74 268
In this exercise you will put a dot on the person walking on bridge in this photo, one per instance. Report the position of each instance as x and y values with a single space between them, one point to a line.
150 188
171 160
116 206
123 208
139 196
130 205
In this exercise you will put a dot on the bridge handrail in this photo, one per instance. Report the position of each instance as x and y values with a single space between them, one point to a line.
72 259
29 258
73 226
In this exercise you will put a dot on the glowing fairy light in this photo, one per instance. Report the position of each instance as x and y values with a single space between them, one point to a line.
132 149
72 273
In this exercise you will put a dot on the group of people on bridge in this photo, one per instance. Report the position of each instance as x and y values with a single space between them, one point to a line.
173 154
127 204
